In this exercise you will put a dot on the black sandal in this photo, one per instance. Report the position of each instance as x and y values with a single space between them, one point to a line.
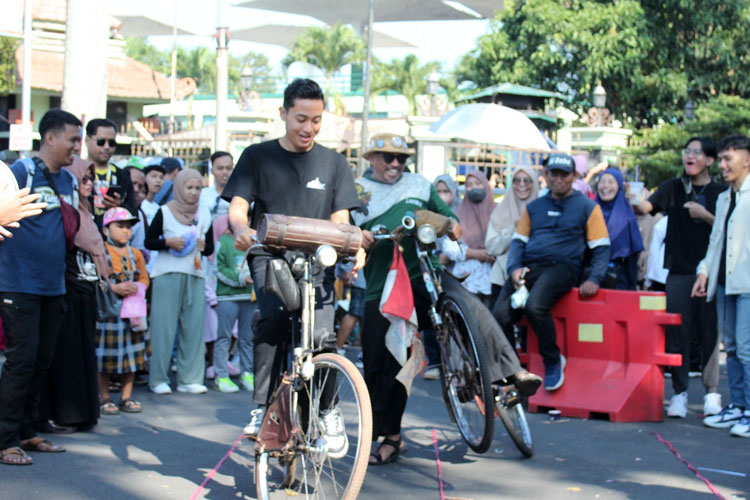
398 451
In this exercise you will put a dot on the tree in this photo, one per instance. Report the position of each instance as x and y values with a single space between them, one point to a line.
657 150
328 49
651 55
140 50
264 81
404 76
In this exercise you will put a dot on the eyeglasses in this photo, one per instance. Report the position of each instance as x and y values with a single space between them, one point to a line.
695 152
87 178
112 142
389 157
521 180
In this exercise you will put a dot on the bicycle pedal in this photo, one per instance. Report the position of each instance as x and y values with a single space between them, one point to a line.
511 398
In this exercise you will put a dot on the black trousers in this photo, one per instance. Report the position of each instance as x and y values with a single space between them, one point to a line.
32 324
274 327
698 320
546 283
388 395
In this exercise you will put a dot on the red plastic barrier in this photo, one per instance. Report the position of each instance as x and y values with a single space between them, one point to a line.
614 344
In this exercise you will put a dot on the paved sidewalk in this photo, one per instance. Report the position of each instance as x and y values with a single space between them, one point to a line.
166 451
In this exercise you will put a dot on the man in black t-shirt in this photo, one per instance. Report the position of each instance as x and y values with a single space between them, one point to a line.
690 202
290 176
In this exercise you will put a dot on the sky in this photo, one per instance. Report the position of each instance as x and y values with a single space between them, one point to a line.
200 16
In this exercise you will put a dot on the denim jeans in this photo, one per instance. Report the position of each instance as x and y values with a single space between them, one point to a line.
734 323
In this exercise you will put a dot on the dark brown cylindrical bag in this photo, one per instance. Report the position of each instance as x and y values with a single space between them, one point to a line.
306 235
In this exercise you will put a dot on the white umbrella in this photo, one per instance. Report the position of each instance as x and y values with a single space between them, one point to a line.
284 35
491 124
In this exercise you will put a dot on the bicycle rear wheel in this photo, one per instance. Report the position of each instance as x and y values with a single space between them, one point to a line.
465 374
515 422
311 472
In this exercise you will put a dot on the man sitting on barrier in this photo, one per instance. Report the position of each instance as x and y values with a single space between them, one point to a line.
546 257
386 196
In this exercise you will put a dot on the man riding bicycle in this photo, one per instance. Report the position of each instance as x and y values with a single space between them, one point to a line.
290 176
386 196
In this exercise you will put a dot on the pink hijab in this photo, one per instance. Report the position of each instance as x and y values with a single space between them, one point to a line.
183 211
475 217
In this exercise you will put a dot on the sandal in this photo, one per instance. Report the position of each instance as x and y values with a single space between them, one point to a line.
41 445
15 456
130 406
108 407
398 451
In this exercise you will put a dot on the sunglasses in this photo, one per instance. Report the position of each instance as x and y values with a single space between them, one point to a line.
389 157
87 178
522 180
112 142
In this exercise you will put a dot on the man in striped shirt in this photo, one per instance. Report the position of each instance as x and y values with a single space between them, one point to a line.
546 255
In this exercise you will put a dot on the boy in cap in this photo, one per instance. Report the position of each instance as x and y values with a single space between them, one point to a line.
546 255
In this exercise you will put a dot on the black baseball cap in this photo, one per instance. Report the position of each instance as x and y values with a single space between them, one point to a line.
561 162
171 164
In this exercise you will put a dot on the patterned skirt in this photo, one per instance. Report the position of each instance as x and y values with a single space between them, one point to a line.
118 348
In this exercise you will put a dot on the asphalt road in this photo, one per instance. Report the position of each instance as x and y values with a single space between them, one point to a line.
167 451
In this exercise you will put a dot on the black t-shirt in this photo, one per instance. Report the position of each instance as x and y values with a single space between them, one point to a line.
687 238
314 184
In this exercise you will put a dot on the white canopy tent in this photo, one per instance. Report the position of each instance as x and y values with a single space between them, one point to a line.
284 35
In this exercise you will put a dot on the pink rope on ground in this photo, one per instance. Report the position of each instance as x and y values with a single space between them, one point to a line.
439 466
689 466
213 472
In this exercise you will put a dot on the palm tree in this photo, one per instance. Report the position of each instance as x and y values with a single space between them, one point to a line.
328 49
405 76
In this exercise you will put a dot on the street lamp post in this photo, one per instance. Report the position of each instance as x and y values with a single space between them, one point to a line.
246 78
433 85
599 97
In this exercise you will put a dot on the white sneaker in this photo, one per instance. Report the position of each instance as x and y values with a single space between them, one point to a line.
334 432
341 351
711 403
725 419
678 406
742 428
359 363
252 429
192 388
162 388
432 373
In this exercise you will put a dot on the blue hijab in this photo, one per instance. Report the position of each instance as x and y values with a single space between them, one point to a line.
624 235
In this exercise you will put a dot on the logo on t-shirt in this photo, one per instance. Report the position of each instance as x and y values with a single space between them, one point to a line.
49 197
316 184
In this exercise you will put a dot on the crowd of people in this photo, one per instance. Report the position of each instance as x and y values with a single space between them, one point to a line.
132 272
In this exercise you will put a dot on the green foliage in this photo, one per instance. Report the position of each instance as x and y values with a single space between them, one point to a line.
651 55
8 48
657 150
199 63
328 49
405 76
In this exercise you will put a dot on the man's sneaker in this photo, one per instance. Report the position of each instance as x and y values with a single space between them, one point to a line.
359 364
247 381
334 432
725 419
742 428
252 429
341 351
162 388
678 406
711 403
192 388
225 384
432 373
554 375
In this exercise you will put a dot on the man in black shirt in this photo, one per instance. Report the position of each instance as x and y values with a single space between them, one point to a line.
291 176
690 203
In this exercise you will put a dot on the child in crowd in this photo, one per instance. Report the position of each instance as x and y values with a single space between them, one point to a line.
234 291
181 231
121 343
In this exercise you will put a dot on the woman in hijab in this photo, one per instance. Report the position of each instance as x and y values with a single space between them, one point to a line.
474 214
624 236
71 401
181 231
524 189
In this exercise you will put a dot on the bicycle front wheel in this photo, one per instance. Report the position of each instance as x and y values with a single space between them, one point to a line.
515 422
329 459
465 373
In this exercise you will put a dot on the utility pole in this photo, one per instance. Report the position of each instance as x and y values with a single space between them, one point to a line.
367 75
222 76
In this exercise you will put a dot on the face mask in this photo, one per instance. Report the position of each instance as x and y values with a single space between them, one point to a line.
476 195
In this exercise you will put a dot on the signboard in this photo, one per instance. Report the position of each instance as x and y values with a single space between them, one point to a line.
21 137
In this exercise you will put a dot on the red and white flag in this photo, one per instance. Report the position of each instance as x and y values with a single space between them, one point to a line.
397 305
